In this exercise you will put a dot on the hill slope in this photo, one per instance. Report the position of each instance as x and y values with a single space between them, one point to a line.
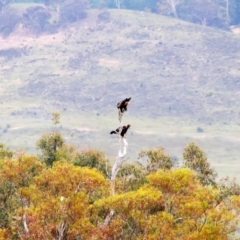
174 71
179 69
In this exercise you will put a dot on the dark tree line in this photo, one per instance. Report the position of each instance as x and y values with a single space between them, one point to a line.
37 19
217 13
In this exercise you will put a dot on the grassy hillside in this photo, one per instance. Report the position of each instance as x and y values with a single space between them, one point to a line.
183 80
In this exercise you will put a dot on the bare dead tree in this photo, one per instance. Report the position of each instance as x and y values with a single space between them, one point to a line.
24 221
118 3
62 231
25 205
120 159
25 225
3 4
172 5
227 11
122 151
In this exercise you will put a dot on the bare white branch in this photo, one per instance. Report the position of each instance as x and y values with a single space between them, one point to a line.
108 218
61 230
26 229
172 6
118 3
122 151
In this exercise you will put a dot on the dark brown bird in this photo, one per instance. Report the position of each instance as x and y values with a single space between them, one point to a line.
123 130
122 106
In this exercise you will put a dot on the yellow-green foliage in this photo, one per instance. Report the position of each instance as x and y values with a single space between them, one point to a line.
49 143
130 177
156 158
174 180
38 202
196 159
5 152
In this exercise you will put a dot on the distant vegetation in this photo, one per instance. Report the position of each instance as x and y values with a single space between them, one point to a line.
50 15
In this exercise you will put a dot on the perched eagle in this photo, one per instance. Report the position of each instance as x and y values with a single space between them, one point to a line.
123 130
122 106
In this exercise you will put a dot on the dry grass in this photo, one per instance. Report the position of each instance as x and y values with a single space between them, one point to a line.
180 76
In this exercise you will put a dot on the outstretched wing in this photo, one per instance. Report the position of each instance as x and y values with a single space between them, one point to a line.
115 132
